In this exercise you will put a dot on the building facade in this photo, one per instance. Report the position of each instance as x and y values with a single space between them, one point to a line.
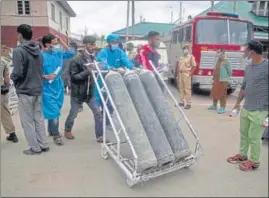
44 17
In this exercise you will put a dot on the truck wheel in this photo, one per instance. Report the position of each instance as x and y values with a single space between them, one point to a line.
230 91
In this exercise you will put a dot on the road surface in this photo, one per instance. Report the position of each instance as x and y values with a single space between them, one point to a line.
76 169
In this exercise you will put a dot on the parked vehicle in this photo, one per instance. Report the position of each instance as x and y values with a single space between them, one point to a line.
206 35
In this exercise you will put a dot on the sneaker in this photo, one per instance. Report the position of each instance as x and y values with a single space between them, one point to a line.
69 135
58 140
31 152
188 106
237 159
212 108
101 140
249 166
181 104
221 111
12 137
45 149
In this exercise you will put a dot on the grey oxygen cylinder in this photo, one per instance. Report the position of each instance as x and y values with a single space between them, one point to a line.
166 117
131 121
149 119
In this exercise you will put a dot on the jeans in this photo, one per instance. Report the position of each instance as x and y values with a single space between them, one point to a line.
53 127
97 114
32 121
251 131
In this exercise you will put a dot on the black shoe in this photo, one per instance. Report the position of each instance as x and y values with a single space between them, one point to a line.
31 152
12 137
188 106
181 104
45 149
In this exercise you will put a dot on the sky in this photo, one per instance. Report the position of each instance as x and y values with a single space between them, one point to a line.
104 17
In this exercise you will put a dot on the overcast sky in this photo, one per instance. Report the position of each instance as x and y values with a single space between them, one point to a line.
104 17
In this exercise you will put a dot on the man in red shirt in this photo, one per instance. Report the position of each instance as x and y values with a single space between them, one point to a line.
148 52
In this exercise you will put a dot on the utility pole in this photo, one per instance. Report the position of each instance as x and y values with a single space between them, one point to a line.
127 22
234 6
133 18
180 12
212 5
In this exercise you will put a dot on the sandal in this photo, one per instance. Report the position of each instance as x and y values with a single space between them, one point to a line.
101 140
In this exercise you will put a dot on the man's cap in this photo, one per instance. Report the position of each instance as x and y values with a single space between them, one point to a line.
113 37
89 39
5 47
186 46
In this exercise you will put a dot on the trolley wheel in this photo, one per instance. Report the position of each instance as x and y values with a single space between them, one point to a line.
129 183
104 153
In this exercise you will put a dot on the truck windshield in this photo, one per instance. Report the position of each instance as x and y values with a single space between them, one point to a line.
220 31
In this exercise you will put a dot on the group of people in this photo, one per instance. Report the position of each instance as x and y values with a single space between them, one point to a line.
37 77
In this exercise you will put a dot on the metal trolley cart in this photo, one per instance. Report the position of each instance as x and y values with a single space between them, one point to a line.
114 149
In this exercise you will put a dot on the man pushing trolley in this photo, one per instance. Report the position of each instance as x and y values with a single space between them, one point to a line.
148 140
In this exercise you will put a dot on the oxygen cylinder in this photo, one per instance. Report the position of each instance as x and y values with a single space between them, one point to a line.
149 119
123 102
166 117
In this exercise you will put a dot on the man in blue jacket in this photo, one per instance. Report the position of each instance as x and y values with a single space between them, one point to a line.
55 51
112 57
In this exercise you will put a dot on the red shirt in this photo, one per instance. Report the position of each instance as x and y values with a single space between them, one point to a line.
147 53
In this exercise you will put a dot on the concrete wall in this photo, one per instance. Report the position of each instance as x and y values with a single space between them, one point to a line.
38 14
56 24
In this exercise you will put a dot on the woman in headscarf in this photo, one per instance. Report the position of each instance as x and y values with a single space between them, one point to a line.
221 76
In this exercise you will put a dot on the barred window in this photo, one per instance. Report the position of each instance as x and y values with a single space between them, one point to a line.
23 7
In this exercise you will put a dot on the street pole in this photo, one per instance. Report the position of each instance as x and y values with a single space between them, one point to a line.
212 5
133 18
127 22
234 6
180 12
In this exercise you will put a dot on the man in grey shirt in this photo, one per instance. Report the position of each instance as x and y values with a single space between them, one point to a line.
255 109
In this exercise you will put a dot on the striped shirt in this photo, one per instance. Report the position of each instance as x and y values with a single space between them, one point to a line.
255 85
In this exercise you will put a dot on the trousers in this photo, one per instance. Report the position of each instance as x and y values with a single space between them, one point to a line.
251 131
6 118
32 121
76 104
185 92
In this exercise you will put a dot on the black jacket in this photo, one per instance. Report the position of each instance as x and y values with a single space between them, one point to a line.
82 83
27 72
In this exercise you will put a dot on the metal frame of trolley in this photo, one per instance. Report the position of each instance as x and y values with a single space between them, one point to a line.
113 149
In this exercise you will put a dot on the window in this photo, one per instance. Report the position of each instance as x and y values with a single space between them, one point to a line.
61 19
174 37
66 23
188 34
23 7
180 35
53 12
216 31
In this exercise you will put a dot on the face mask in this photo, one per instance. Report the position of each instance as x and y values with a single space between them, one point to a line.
115 46
185 51
156 44
56 47
10 54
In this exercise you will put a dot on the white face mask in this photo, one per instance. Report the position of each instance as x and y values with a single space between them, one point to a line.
10 54
185 51
58 46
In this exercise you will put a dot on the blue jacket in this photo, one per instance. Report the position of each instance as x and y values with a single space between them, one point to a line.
53 93
112 59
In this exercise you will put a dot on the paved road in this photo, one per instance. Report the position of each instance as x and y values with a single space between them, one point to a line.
76 169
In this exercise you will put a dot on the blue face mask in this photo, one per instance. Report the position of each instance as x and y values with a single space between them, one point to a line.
115 46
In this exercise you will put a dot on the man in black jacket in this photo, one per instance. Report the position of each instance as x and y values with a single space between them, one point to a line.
82 85
27 78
